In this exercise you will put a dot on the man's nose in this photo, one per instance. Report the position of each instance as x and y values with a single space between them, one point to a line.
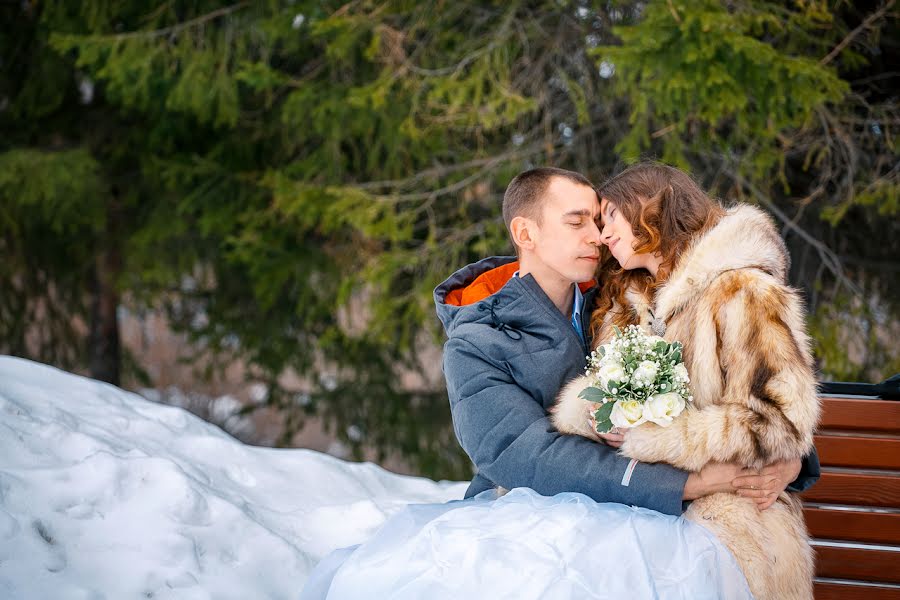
595 234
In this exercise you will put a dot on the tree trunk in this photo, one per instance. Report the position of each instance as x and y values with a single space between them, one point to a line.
104 346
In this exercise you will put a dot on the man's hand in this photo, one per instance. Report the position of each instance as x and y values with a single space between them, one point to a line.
711 479
764 486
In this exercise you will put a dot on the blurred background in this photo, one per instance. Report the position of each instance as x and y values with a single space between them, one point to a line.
243 208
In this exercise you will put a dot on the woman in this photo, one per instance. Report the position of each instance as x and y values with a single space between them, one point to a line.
684 267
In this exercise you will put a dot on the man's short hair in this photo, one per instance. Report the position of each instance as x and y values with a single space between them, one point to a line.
524 195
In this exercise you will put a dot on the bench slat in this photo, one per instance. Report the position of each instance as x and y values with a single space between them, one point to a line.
855 414
874 528
827 590
858 563
857 433
858 451
852 488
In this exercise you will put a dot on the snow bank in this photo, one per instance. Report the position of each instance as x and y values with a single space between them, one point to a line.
106 495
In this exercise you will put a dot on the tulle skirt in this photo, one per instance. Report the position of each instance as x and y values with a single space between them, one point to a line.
523 546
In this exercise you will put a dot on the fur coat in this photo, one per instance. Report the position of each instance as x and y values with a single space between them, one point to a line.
755 401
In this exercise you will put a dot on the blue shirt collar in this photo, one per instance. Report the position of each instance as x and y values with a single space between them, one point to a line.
577 303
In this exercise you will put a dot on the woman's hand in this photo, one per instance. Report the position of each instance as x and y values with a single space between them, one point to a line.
614 438
764 486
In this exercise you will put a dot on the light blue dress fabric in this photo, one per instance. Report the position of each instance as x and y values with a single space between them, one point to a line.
527 546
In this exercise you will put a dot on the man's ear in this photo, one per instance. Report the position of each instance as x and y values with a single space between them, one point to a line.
523 230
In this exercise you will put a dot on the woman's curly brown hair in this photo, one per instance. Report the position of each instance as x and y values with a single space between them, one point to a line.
667 210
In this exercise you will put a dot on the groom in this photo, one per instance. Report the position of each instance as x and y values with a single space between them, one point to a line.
518 331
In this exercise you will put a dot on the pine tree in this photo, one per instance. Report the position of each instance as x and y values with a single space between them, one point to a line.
290 180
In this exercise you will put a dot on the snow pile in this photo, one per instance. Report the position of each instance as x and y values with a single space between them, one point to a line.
104 494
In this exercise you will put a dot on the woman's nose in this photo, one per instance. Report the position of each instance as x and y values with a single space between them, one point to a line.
605 234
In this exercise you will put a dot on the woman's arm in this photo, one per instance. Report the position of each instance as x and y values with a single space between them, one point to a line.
769 406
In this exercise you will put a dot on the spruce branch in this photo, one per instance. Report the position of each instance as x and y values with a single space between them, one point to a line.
852 35
830 260
179 27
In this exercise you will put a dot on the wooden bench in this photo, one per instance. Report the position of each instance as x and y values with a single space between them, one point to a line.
853 512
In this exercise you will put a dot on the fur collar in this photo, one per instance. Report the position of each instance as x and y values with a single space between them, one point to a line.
745 238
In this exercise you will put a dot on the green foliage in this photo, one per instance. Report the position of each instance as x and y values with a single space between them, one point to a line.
60 190
290 180
883 195
703 78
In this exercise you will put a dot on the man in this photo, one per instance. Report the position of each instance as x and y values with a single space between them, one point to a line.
517 333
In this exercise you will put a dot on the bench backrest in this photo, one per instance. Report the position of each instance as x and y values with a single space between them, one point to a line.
853 512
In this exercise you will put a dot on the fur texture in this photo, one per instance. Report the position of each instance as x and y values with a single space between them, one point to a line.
755 402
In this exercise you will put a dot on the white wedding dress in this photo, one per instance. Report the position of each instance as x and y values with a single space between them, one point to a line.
527 546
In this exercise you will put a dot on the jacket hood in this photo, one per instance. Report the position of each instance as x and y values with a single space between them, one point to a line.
456 298
745 238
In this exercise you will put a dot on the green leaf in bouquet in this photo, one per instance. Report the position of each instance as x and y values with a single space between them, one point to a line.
676 357
601 416
604 426
592 394
661 347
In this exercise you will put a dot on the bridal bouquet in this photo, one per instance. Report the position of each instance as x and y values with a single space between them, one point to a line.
636 378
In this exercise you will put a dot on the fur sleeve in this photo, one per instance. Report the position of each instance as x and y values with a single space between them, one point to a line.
769 407
570 414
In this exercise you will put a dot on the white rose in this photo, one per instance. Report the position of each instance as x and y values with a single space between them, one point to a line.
611 371
646 371
652 340
662 408
627 413
680 372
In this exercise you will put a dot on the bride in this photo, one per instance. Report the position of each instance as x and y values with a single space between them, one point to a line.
713 279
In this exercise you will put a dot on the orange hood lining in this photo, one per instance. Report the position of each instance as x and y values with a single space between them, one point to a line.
489 283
